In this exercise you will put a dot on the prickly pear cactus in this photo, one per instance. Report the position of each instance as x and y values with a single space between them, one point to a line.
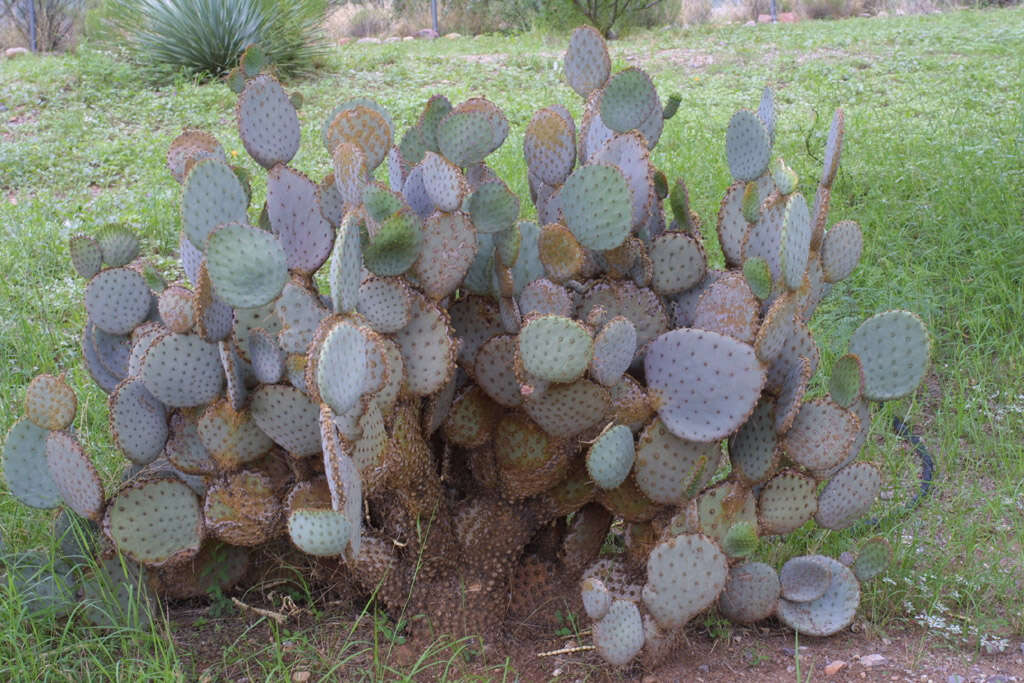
467 379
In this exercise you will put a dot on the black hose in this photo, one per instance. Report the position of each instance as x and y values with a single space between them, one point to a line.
902 430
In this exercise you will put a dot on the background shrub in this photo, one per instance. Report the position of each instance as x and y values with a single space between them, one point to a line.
207 37
56 22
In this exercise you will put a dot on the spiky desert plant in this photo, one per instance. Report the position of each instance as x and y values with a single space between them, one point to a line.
426 427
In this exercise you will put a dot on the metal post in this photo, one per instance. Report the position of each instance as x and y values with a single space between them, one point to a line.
773 9
433 16
32 25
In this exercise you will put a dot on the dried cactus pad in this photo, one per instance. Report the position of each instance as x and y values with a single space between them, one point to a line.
619 635
74 475
267 122
610 457
342 367
748 146
873 557
893 348
587 64
549 146
138 422
704 385
597 205
155 521
248 266
189 147
751 593
685 575
555 349
117 300
28 477
848 495
213 195
805 578
182 370
830 613
322 533
365 127
50 403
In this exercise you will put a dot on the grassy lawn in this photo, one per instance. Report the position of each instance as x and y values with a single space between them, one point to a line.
933 170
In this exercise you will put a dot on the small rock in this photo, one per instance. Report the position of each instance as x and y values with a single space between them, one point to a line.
13 52
374 41
408 38
300 676
453 36
869 661
833 668
392 39
956 678
426 34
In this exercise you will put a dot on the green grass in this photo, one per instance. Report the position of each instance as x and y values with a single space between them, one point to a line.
933 169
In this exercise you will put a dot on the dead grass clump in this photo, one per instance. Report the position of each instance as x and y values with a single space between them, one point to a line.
359 21
694 13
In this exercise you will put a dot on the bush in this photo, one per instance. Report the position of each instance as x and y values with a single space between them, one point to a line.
55 21
207 37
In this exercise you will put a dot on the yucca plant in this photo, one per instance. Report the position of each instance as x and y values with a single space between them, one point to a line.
207 37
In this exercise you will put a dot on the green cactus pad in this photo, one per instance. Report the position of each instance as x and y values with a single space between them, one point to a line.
873 557
428 347
86 255
629 154
50 402
830 613
230 437
191 146
847 380
752 202
821 435
321 533
619 635
764 238
493 207
138 422
342 366
685 372
396 245
833 148
759 277
640 306
116 595
792 394
732 224
447 251
848 495
628 100
287 416
685 575
364 127
471 131
783 176
787 501
471 419
549 145
248 267
722 507
40 585
752 450
119 244
748 146
350 172
729 307
117 300
494 371
177 308
795 241
610 457
565 410
213 195
805 578
266 356
555 349
893 348
679 263
597 204
587 64
740 540
155 521
185 450
182 370
267 122
242 509
294 210
28 477
444 182
346 266
670 469
614 348
840 250
597 599
751 593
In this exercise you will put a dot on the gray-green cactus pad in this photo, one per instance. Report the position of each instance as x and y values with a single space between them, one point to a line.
847 380
555 349
119 244
341 369
549 146
28 477
848 496
288 417
705 385
795 241
893 348
670 469
40 584
840 250
229 437
685 575
610 457
628 100
587 64
619 635
752 450
117 300
597 599
447 251
248 266
182 370
267 122
116 595
428 347
155 521
565 410
830 613
213 195
748 146
86 255
805 578
74 475
322 533
833 148
787 501
614 349
138 422
679 263
873 557
597 205
751 593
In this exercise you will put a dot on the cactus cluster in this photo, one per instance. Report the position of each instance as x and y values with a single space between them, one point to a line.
452 406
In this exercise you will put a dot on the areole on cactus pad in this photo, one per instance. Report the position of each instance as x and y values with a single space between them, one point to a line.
466 378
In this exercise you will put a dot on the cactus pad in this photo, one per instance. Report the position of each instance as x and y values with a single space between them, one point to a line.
267 122
596 597
805 578
748 146
685 575
549 146
840 250
229 437
670 469
555 349
294 210
86 255
597 205
729 307
287 416
679 263
117 300
385 303
610 457
893 348
873 557
751 593
848 495
830 613
565 410
242 509
795 241
248 267
342 367
173 526
752 450
428 348
619 635
447 251
847 380
494 370
628 100
28 477
182 370
321 533
614 349
50 403
213 195
833 148
587 64
138 422
787 501
364 127
493 207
